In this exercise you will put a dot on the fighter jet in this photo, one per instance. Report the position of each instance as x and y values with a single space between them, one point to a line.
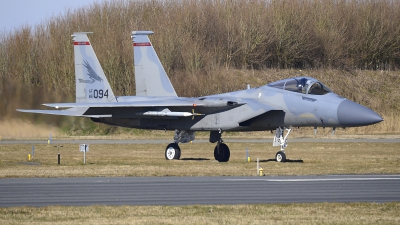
279 106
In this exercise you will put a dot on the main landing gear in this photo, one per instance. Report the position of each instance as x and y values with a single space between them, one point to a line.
173 151
221 151
281 140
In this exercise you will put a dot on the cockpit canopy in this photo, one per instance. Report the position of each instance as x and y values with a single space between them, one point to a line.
305 85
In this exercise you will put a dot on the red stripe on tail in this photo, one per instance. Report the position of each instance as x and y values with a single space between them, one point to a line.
142 44
81 43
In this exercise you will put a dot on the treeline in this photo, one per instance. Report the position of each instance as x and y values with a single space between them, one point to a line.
198 41
199 36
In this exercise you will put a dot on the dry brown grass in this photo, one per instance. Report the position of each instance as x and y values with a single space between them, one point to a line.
352 46
197 159
14 129
318 213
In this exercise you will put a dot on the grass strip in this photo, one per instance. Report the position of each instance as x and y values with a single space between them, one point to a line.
197 159
307 213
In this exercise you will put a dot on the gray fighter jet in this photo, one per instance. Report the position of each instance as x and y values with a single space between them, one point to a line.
294 102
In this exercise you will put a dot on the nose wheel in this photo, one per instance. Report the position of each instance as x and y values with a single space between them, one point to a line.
281 140
280 156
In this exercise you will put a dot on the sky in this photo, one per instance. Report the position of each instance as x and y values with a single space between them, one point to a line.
15 13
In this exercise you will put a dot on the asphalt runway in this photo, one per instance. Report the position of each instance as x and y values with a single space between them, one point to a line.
198 190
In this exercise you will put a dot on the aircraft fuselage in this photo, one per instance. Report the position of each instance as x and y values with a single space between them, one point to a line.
290 109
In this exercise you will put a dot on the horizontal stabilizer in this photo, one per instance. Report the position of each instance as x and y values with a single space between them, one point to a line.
64 113
55 112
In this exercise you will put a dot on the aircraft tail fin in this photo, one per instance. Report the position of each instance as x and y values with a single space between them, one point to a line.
150 76
91 82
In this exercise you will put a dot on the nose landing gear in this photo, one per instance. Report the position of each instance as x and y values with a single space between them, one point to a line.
281 140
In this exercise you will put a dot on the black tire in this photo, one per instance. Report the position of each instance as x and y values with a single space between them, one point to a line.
223 154
280 156
172 151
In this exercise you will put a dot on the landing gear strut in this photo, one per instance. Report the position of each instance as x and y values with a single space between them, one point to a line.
281 140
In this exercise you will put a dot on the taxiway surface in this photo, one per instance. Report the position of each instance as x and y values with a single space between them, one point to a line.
197 190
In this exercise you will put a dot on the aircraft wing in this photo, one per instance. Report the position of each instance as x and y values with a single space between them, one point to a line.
184 102
173 107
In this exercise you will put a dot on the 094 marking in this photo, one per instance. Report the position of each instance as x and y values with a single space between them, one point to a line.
98 93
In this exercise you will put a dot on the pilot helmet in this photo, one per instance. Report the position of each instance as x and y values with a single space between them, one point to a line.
301 83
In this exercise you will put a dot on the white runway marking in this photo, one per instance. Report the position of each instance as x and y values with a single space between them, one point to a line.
320 179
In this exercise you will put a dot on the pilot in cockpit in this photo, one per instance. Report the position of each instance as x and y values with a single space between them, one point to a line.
303 85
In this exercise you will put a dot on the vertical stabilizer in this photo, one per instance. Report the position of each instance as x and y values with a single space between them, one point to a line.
91 83
150 76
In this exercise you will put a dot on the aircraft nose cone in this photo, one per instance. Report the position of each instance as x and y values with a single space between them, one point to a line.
351 114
